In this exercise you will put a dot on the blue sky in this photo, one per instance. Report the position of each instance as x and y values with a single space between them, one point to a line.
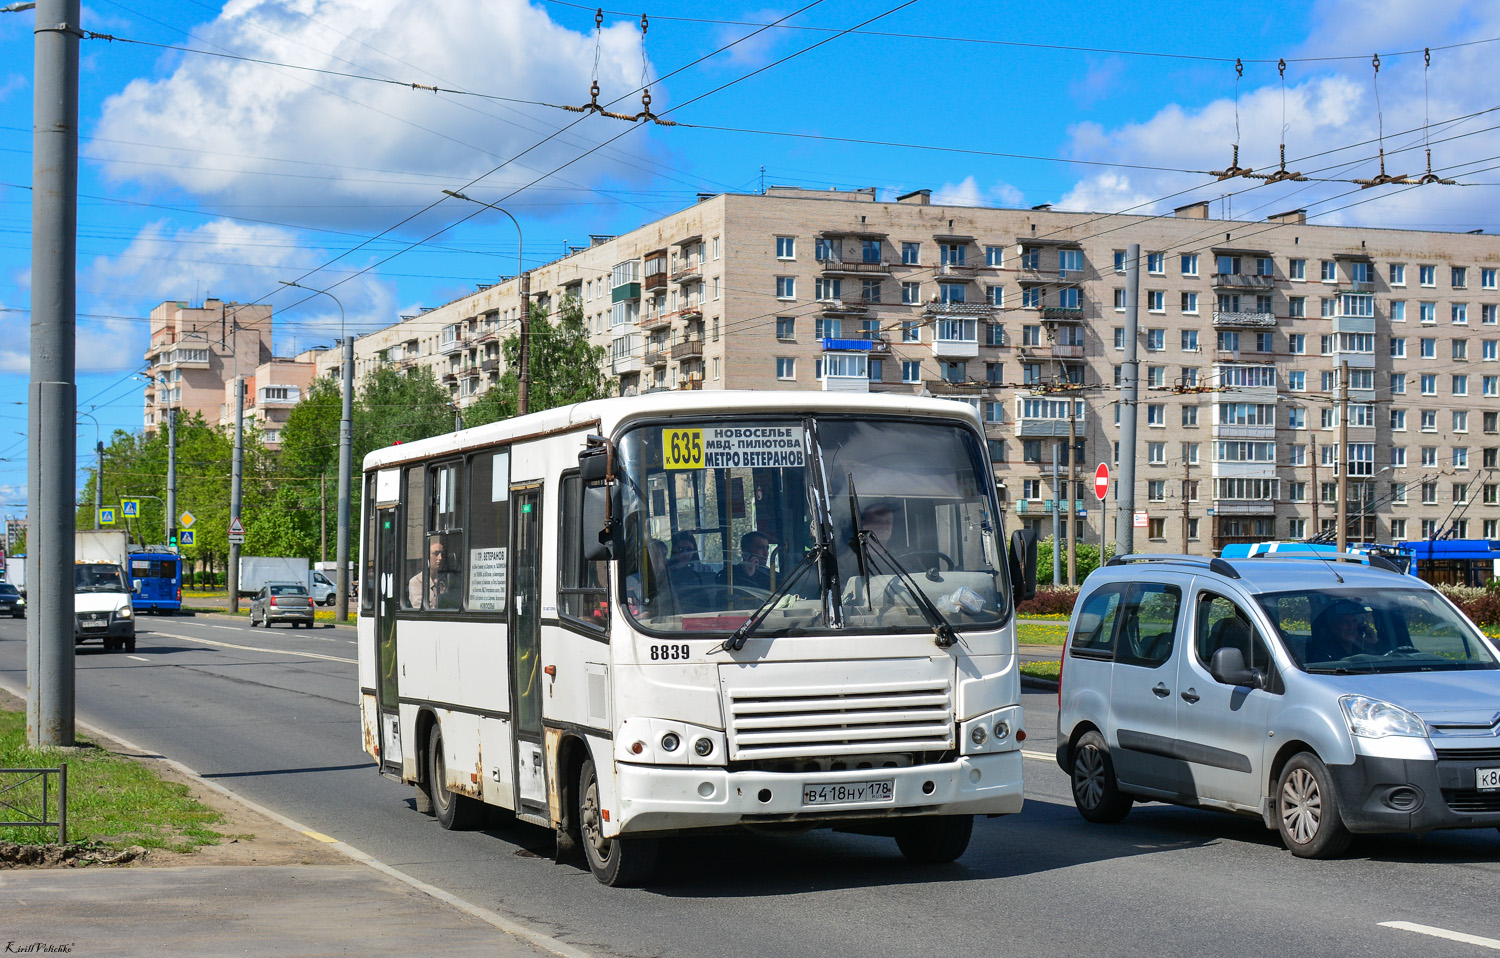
202 175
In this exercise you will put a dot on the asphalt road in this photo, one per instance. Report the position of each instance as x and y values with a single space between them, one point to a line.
272 715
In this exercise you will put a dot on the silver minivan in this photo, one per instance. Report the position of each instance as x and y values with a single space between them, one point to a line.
1324 697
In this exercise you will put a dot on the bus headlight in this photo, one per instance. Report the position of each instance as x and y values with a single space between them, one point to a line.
670 741
703 747
978 735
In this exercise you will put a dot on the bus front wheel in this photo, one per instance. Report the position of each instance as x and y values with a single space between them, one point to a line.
934 839
616 862
454 812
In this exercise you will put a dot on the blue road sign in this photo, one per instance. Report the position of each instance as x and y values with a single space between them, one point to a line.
185 537
106 517
130 508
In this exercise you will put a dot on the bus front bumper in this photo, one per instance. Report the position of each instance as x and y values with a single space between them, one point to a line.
663 798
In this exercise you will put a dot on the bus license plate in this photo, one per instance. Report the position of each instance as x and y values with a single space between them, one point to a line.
1487 779
847 792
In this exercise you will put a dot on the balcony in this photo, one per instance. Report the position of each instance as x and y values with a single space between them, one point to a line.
1242 281
1243 319
687 349
859 344
655 356
1067 351
656 281
688 274
1046 428
962 272
454 345
1355 286
490 365
1354 324
1244 507
1062 314
655 321
955 348
1046 507
626 292
833 267
624 365
1237 431
1355 360
943 387
846 384
450 379
837 307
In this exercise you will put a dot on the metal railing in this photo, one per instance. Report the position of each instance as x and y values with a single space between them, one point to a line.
16 799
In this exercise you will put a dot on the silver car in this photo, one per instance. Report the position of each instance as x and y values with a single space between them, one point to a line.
1324 697
282 602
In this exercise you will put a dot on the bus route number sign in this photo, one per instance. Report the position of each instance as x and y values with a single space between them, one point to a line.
682 448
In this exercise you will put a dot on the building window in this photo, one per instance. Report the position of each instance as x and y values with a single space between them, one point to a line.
786 287
995 296
911 371
786 247
1429 420
1156 490
1190 415
951 292
1190 264
1070 261
1459 313
1156 300
1428 348
1296 269
827 290
1156 414
1460 420
951 254
1460 349
1460 385
1397 274
786 368
1156 453
1156 528
994 256
911 294
1427 275
827 327
1398 420
1189 340
1459 276
869 290
1296 380
1156 339
1190 303
1156 263
1119 261
1330 271
911 254
786 327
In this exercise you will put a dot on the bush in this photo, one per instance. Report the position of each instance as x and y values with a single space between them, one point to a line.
1481 605
1057 601
1088 560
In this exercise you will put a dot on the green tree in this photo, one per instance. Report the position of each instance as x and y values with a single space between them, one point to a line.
565 368
398 406
1088 560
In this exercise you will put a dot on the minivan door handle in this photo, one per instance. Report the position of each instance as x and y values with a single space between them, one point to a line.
1160 690
1190 696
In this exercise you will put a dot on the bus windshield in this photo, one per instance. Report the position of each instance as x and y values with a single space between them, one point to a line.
720 516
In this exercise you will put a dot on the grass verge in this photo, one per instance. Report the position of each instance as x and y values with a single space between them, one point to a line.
113 801
1042 633
1041 670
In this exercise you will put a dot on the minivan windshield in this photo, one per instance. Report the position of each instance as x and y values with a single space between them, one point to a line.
1343 631
721 514
97 578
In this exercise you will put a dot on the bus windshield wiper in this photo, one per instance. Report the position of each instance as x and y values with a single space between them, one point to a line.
942 630
736 640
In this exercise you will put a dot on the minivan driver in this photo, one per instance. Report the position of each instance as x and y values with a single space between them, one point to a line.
1341 630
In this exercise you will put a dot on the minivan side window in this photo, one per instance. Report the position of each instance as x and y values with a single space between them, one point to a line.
1149 625
1224 625
1094 636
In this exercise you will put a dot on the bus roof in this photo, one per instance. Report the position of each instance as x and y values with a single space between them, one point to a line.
604 416
1429 549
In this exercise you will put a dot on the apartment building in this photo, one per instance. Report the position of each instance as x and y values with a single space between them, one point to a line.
1245 328
195 350
271 390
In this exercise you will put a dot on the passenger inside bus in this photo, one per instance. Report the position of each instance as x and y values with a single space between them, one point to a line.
440 590
752 570
684 570
649 588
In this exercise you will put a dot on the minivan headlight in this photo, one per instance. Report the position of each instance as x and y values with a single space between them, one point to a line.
1372 718
124 613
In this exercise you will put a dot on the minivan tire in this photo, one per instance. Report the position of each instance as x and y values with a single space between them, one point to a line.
1307 809
1095 790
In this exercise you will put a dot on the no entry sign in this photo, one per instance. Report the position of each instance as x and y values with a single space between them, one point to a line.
1101 481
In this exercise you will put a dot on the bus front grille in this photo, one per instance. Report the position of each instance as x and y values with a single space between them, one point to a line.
768 723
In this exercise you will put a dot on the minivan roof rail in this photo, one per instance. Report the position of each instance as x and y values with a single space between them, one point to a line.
1372 559
1220 566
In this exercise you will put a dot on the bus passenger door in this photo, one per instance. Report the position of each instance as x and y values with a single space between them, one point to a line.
526 647
387 578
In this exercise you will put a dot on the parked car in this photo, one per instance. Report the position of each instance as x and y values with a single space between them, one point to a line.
11 601
282 602
1324 697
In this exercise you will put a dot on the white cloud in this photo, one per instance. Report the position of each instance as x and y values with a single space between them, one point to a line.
1328 107
10 83
341 148
227 259
968 192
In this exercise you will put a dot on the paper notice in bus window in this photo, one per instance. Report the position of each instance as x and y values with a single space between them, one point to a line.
487 580
729 447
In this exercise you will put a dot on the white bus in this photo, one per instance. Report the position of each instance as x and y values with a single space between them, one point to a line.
637 617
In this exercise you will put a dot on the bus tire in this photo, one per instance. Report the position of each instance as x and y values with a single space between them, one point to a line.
616 862
934 839
454 812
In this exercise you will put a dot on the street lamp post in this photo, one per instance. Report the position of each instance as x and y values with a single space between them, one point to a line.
523 281
346 437
98 470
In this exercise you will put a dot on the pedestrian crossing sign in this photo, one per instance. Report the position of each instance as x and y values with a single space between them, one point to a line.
106 517
130 508
185 537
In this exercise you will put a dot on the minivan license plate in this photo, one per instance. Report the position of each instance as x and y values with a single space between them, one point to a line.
845 792
1487 779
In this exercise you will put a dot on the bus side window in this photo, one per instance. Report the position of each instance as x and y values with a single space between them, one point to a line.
414 545
582 586
445 576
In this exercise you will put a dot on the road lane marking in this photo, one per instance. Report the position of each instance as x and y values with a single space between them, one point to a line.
254 648
1444 933
137 658
227 628
1043 756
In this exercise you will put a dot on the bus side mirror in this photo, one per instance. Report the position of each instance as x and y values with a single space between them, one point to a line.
599 510
1022 565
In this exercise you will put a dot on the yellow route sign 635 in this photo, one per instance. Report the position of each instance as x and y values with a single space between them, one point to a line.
682 448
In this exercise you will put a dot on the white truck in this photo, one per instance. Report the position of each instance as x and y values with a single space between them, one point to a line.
256 571
15 572
102 606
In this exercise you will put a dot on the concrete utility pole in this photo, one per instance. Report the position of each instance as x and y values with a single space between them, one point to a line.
234 492
1185 480
98 481
171 475
53 397
1073 495
1317 494
1129 383
1057 506
1341 462
346 452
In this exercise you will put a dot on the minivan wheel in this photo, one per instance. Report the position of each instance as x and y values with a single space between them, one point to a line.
1307 809
1095 791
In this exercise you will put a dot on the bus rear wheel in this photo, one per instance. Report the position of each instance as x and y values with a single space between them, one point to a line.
616 862
454 812
934 839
